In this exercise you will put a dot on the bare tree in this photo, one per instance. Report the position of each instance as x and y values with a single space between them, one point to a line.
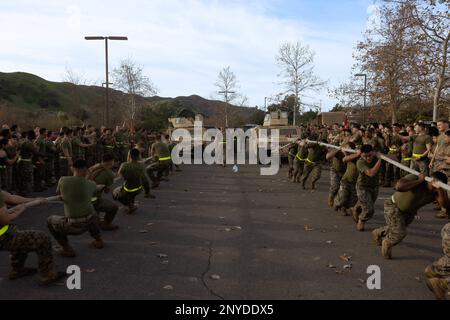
296 63
227 85
129 77
433 18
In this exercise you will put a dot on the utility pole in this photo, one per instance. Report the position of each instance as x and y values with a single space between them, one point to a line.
107 69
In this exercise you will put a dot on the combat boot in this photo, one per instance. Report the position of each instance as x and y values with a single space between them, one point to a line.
386 249
24 272
355 214
330 201
67 251
108 226
442 214
430 273
51 278
377 237
361 225
98 243
438 287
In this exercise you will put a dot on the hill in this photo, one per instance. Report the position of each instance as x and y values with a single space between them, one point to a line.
27 99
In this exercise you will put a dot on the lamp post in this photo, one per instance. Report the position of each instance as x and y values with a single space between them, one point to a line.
365 93
106 64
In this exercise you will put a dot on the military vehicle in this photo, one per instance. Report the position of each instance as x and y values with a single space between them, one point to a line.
288 133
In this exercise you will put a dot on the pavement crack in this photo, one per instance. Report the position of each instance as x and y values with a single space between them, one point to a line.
208 268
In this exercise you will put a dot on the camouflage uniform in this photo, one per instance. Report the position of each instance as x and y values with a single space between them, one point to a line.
299 163
20 243
336 173
392 172
50 163
292 153
102 176
366 190
122 148
406 152
397 222
64 169
400 210
60 227
442 266
79 214
346 197
312 168
135 180
11 168
25 168
39 165
161 156
420 163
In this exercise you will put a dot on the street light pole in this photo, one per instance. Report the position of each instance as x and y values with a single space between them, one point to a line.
365 93
106 67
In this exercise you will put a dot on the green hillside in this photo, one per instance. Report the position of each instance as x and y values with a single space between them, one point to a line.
28 95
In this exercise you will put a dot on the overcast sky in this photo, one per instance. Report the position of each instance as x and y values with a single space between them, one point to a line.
183 44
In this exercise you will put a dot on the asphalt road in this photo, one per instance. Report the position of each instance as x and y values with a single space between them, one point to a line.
264 238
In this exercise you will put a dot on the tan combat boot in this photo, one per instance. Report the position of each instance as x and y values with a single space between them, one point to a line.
430 273
355 214
51 278
330 202
361 226
98 243
386 249
377 237
67 251
442 214
438 287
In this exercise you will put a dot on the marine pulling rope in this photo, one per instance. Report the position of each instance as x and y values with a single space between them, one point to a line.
389 160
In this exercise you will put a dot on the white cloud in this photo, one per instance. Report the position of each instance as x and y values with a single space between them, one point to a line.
183 44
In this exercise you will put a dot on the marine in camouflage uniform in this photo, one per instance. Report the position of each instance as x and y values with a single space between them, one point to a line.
79 214
438 273
65 154
346 197
292 153
39 161
50 150
135 180
299 162
3 164
399 211
367 186
122 144
337 170
392 173
102 174
25 164
109 143
161 161
313 167
422 143
21 243
11 164
440 163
